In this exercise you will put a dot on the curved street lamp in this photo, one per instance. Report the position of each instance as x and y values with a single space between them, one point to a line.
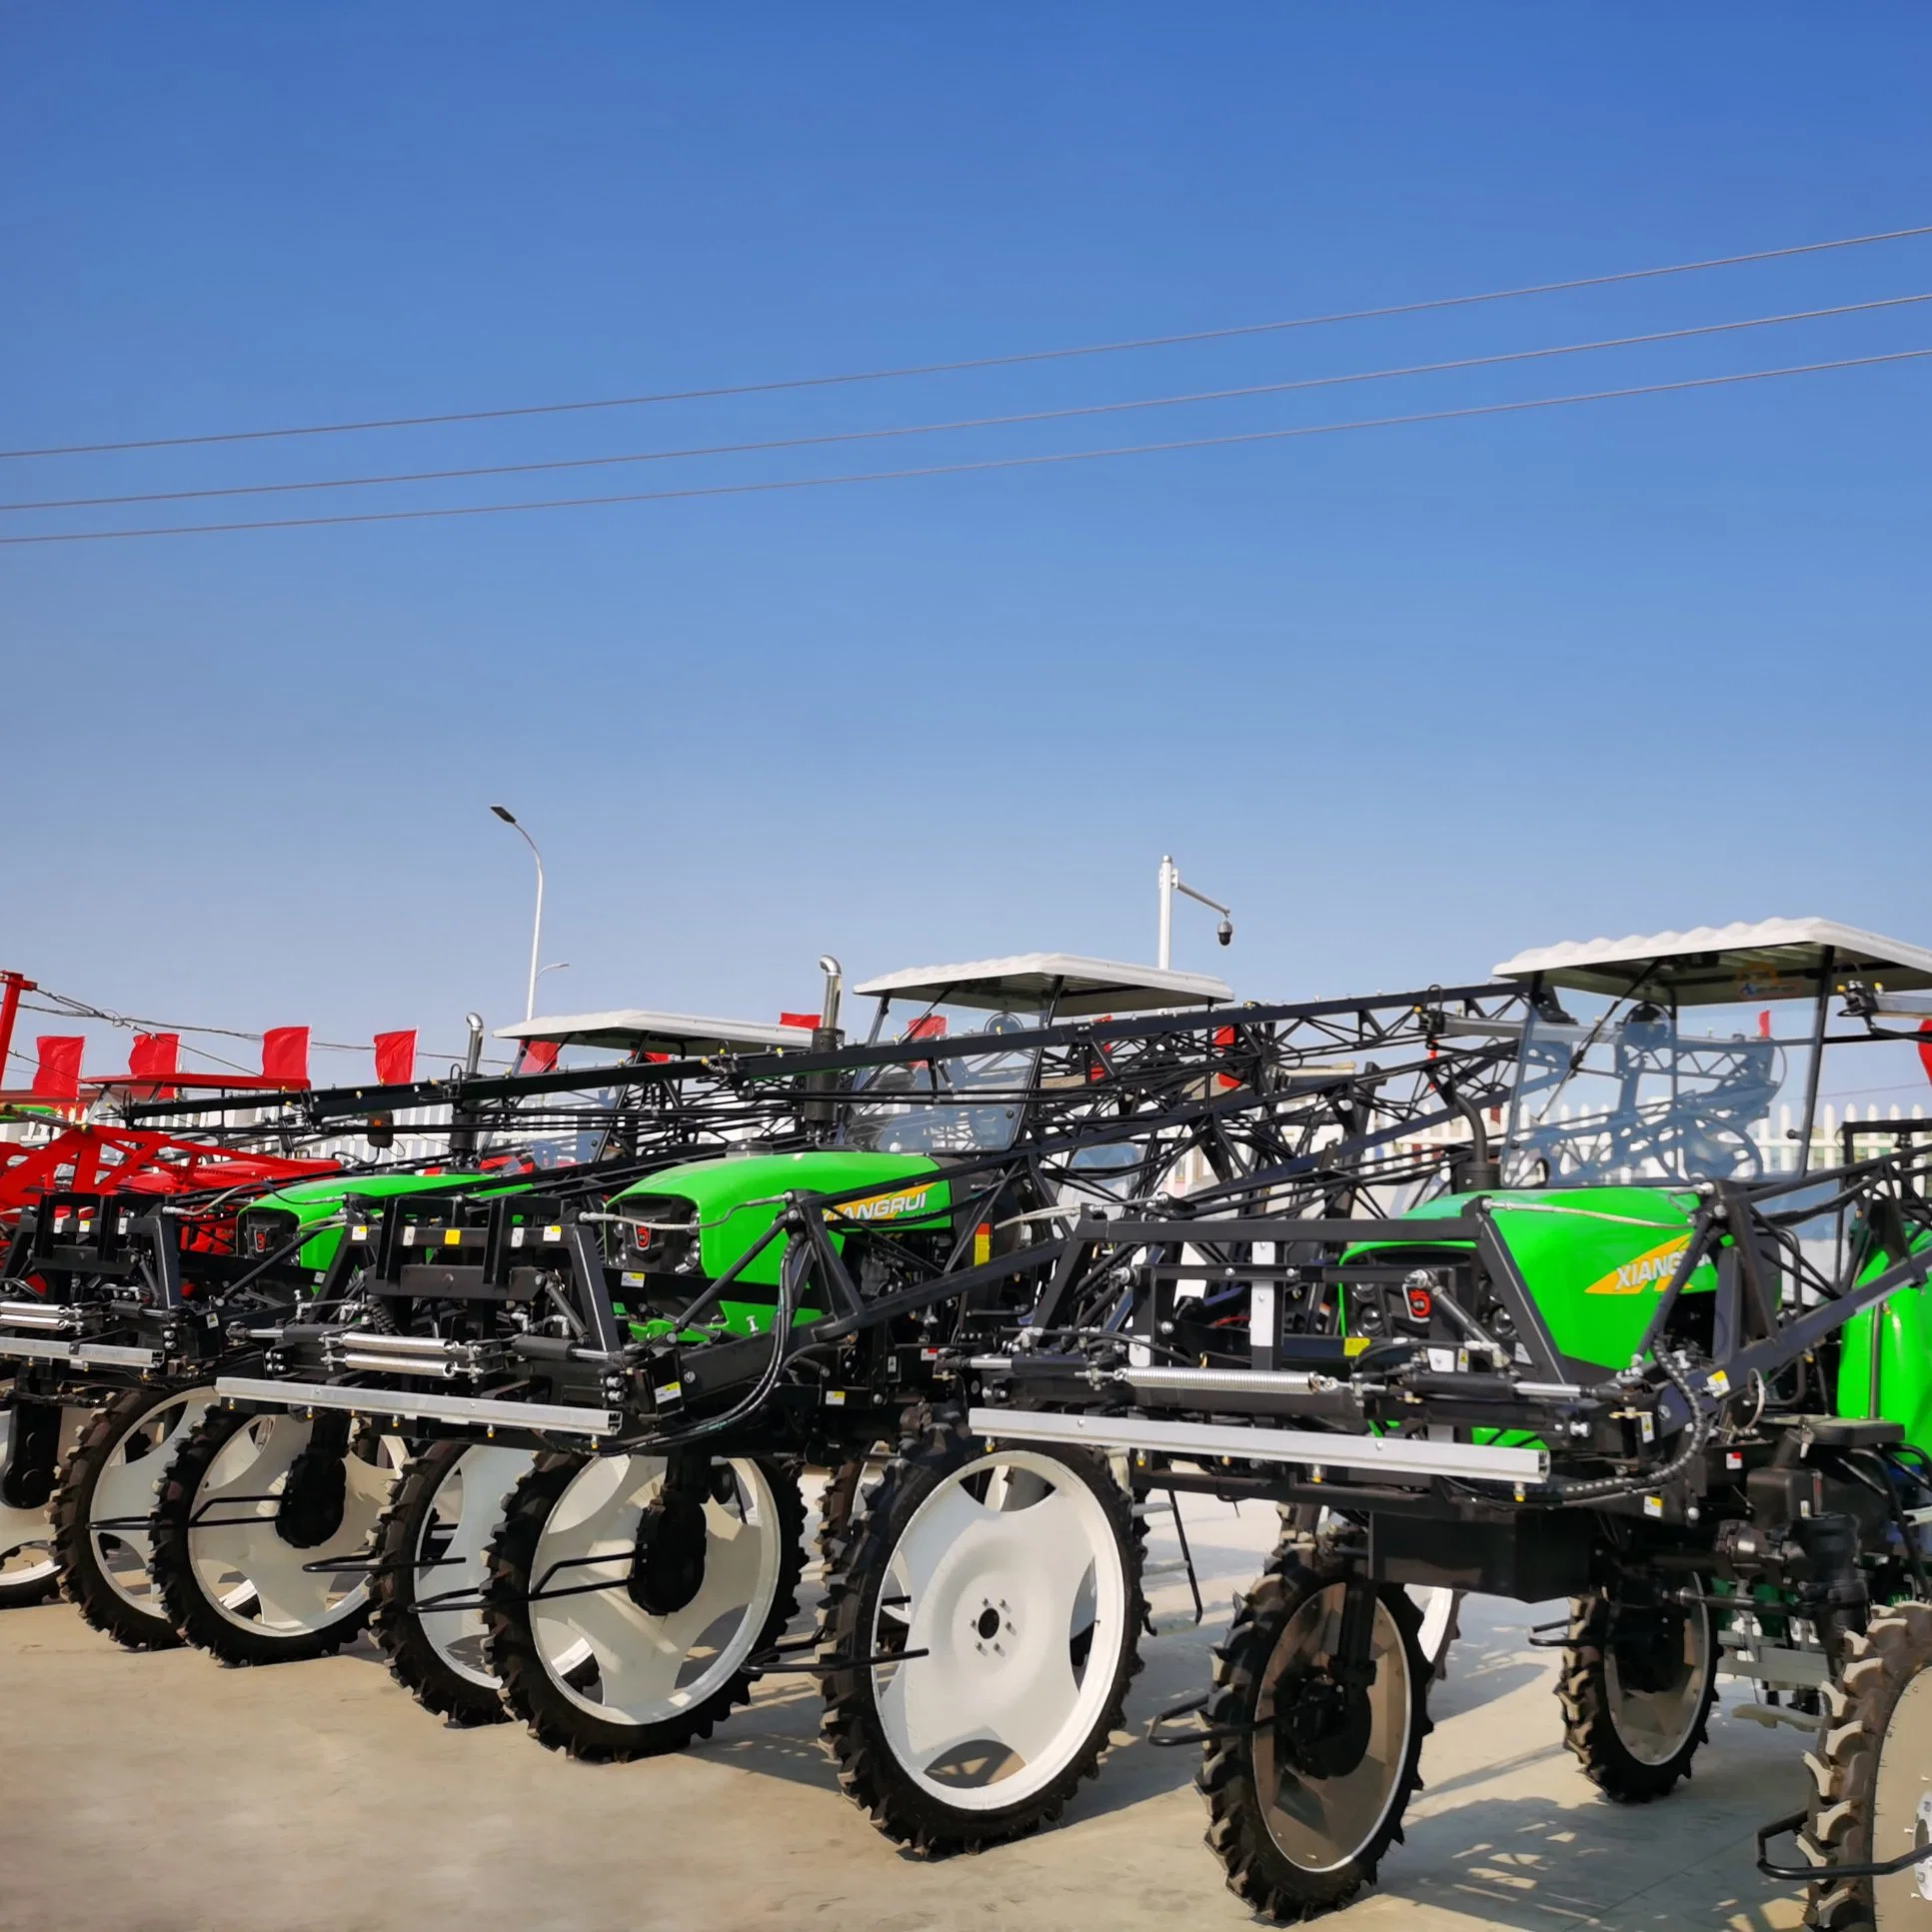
508 817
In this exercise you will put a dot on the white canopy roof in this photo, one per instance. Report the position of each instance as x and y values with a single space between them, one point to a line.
1032 979
638 1030
1771 960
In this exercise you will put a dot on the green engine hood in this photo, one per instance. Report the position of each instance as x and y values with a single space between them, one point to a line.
738 1198
1885 1367
1595 1258
316 1200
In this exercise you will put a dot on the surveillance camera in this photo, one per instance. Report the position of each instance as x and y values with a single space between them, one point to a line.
1224 931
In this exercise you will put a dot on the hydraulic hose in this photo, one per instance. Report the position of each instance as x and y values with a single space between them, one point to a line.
759 1391
1698 1428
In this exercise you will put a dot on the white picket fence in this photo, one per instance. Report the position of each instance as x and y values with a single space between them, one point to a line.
1775 1139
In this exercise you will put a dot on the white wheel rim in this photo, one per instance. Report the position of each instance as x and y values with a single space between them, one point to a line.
648 1669
1438 1612
125 1492
452 1542
1319 1824
27 1535
1655 1725
1902 1809
243 1569
1018 1596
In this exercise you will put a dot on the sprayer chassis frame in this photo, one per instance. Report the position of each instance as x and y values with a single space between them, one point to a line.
1146 1063
1279 1433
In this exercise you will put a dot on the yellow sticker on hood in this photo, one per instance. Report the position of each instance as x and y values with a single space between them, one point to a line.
1648 1270
884 1207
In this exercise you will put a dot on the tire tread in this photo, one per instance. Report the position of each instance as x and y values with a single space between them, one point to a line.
1878 1663
196 1619
526 1689
929 1447
1237 1832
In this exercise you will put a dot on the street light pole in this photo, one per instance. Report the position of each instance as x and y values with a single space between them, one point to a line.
508 817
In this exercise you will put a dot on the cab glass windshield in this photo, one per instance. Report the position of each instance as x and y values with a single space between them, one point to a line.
954 1104
1632 1090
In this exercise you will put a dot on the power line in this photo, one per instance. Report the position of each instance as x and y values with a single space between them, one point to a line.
969 468
66 1006
967 422
976 362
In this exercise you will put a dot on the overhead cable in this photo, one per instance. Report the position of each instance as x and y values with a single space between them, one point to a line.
1037 460
67 1006
967 422
1014 360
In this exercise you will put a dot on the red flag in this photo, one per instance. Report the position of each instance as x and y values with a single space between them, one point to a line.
538 1057
929 1026
154 1055
396 1059
285 1054
1224 1037
1925 1047
58 1077
805 1020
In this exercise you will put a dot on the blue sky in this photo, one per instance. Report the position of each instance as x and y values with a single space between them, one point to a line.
1411 698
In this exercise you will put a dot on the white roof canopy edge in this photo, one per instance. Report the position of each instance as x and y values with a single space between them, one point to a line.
1088 986
629 1026
1801 940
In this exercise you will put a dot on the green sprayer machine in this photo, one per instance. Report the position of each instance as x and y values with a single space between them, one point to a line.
613 1402
120 1309
1652 1351
1552 1286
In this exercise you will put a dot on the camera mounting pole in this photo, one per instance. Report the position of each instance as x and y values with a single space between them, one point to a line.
1170 883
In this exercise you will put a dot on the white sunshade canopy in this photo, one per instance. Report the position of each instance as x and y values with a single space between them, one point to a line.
636 1029
1082 986
1713 964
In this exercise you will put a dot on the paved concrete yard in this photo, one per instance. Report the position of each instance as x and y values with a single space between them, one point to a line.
166 1795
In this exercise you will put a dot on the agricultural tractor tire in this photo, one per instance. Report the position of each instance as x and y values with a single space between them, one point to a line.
264 1532
425 1591
103 1508
977 1636
846 1497
627 1615
1871 1771
1637 1687
1306 1776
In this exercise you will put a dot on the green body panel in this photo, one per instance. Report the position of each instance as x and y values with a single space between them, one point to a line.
738 1198
318 1199
1595 1258
1901 1329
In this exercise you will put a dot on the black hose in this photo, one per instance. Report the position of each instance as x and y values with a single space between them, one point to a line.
1601 1490
761 1390
1888 1490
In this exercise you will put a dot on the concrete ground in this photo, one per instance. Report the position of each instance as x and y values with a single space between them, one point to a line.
167 1794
